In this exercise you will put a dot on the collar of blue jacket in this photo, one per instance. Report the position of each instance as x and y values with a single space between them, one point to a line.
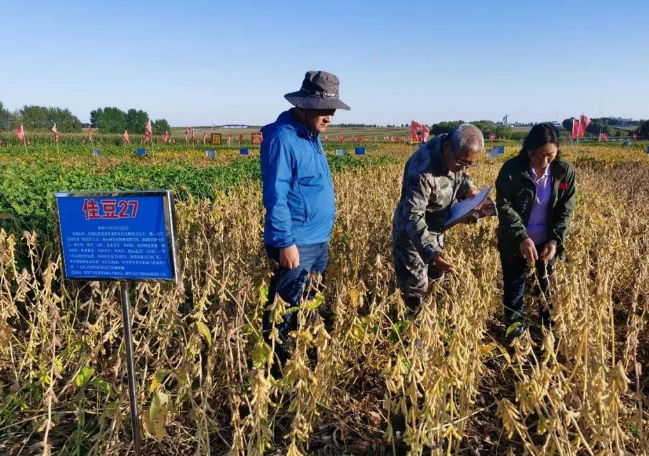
286 119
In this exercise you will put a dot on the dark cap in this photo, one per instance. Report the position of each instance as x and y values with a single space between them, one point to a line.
319 91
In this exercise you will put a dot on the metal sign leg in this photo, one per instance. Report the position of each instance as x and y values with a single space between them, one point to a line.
128 344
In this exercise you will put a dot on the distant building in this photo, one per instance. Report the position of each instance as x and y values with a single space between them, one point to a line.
233 126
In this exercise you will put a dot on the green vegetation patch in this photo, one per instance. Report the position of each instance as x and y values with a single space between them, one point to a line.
27 188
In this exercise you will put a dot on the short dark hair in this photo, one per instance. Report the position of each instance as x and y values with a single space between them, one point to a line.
540 135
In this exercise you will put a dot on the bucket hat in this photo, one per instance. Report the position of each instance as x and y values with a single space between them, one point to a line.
319 91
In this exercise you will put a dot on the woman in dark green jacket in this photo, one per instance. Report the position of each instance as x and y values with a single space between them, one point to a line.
535 200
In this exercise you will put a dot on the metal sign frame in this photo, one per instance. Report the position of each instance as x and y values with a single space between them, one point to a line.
170 229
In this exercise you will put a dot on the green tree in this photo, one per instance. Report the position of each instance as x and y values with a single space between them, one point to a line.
503 131
94 117
65 120
567 123
7 119
643 129
444 127
598 126
111 120
160 126
42 118
136 121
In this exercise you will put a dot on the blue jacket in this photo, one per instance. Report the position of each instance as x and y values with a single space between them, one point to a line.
298 191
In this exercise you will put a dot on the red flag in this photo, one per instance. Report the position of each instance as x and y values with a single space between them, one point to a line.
492 137
165 137
90 133
425 133
186 133
193 135
393 139
229 138
584 122
359 139
326 139
56 132
415 132
241 137
575 129
635 136
21 133
126 138
204 137
148 131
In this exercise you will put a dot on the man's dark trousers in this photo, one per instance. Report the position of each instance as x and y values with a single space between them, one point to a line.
291 285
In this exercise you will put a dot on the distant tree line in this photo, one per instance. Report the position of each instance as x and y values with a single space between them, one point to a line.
106 120
610 126
487 127
114 120
350 125
39 118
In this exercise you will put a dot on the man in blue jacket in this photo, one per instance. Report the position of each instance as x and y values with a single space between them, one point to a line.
298 194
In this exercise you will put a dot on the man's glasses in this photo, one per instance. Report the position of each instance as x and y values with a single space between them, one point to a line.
462 163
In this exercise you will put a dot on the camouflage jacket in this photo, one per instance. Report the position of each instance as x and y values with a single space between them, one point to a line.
427 193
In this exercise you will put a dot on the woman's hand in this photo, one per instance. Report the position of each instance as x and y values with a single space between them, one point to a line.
549 251
528 250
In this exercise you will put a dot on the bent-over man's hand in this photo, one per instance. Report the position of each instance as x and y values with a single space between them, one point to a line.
443 264
470 193
289 257
549 251
528 250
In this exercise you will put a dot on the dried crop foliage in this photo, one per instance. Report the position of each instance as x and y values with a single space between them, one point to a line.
446 382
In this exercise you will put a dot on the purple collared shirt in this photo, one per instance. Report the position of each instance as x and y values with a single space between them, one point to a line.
537 226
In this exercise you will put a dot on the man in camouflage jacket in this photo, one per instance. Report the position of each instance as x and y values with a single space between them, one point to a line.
433 180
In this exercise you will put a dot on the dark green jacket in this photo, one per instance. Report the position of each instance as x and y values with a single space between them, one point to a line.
516 192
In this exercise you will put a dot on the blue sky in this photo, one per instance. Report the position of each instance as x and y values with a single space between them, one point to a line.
202 63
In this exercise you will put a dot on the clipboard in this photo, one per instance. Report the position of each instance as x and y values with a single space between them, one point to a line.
461 210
